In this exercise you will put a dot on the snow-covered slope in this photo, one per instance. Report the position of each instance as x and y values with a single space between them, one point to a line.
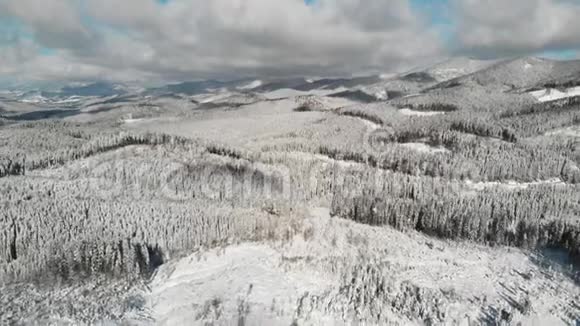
34 98
457 67
254 84
288 92
410 112
415 80
337 272
516 73
551 94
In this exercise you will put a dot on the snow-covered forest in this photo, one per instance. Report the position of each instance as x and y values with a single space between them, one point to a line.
400 200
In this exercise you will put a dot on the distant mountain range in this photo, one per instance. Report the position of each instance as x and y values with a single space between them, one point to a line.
520 73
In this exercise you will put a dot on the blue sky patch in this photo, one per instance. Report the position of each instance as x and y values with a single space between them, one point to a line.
47 52
561 55
12 31
438 16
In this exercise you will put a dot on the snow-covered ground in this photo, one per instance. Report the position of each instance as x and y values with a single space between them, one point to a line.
410 112
39 99
35 99
252 122
382 95
457 67
287 92
323 103
336 102
211 97
573 131
217 285
130 121
251 85
551 94
337 272
71 99
411 95
425 148
512 185
327 271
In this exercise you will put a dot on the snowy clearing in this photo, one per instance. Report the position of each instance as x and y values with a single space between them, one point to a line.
573 131
512 185
323 103
252 122
131 121
307 280
425 148
251 85
551 94
288 92
410 112
208 98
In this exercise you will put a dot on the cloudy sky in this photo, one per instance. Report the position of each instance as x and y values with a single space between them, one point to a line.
146 40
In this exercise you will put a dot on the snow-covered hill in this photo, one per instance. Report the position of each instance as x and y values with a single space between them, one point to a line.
516 73
457 67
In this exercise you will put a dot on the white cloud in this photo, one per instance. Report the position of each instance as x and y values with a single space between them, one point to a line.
54 23
221 38
500 27
188 39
